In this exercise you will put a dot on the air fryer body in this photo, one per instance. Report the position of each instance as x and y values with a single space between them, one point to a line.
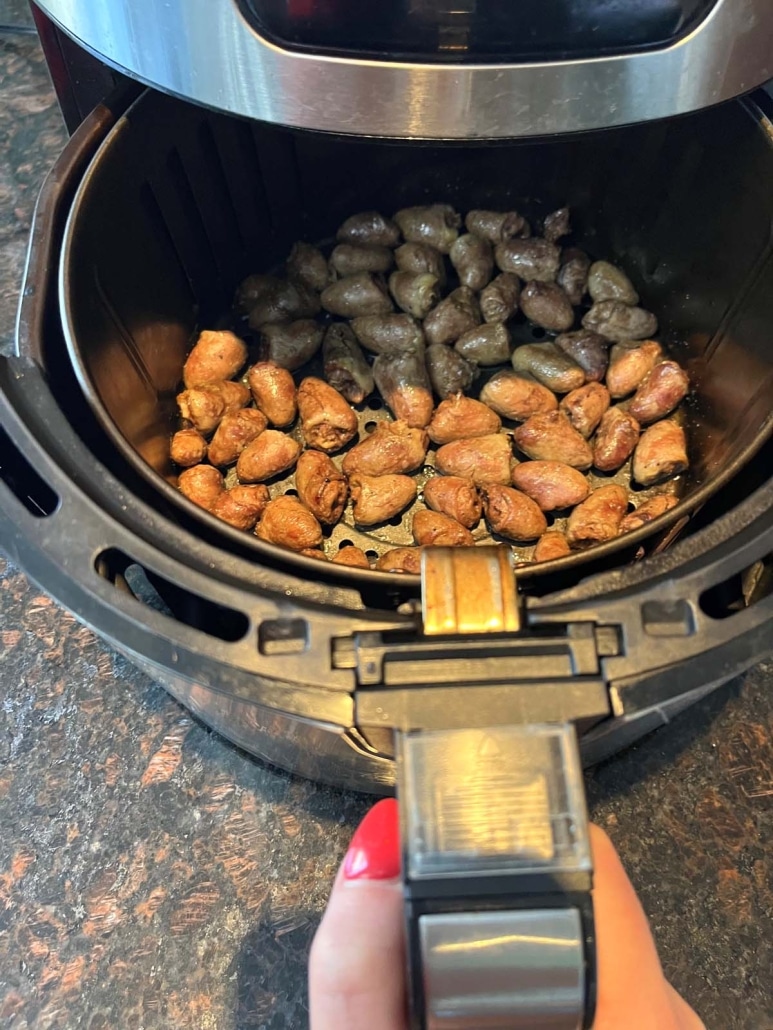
309 672
432 68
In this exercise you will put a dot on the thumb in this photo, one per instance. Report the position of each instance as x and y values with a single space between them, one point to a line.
357 962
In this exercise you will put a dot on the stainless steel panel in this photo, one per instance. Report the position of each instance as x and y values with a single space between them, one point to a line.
503 970
207 52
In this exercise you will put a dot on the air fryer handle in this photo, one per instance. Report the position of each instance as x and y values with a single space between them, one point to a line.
497 878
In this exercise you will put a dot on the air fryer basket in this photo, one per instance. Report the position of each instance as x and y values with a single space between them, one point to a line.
312 671
179 204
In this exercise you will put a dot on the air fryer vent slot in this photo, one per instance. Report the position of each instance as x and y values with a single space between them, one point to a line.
170 599
740 591
23 481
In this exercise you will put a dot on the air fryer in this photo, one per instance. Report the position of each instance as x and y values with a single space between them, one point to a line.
160 205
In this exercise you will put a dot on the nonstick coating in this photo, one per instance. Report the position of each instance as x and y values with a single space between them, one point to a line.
180 203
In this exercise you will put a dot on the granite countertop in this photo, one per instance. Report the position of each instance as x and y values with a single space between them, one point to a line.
153 876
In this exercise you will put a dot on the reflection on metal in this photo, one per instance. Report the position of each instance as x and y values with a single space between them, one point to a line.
468 590
508 970
206 51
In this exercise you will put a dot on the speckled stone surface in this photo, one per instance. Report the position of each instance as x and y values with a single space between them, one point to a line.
15 14
153 876
31 135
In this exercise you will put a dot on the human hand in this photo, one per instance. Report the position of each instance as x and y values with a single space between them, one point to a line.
357 964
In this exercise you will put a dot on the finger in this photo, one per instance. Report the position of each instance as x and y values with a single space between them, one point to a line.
357 963
632 991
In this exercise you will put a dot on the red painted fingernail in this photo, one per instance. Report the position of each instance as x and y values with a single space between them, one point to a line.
374 853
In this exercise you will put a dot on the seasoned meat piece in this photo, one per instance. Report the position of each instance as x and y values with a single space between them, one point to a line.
531 260
321 487
352 556
421 258
557 225
517 397
551 545
433 529
287 523
284 302
589 350
552 437
327 421
660 453
597 519
253 289
647 511
401 559
392 447
548 364
485 344
496 226
369 227
551 484
547 305
215 356
416 294
349 258
389 334
268 455
607 282
585 407
273 391
456 497
307 265
403 382
512 514
453 316
314 552
241 506
345 366
201 484
618 321
204 406
499 300
573 274
378 498
483 459
436 224
449 372
233 434
188 447
473 259
460 418
235 395
360 294
290 344
661 391
629 365
616 439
